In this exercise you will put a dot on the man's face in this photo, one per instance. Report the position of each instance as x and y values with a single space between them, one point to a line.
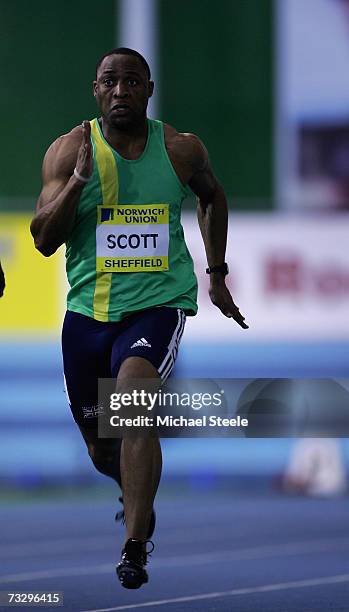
122 90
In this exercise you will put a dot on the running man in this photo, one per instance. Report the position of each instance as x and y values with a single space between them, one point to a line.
112 191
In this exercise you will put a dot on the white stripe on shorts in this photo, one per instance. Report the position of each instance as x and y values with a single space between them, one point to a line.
167 371
66 389
168 357
168 363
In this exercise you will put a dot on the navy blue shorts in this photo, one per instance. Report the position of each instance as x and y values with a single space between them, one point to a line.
94 349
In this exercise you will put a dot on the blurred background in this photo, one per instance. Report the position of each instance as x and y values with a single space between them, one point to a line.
268 93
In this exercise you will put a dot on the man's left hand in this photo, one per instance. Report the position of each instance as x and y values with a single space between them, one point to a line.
2 281
220 297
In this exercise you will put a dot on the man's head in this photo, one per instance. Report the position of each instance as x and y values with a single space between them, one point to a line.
123 87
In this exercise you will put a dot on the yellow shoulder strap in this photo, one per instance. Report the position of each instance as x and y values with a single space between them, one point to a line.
109 180
106 165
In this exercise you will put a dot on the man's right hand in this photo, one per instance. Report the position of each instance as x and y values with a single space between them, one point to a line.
84 162
57 204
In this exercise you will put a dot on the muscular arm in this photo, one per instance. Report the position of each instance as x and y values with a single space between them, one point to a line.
57 203
212 211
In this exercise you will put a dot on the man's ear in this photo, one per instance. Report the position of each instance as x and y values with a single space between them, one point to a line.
151 89
94 88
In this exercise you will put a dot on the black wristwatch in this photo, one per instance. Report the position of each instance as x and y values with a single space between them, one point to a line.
223 269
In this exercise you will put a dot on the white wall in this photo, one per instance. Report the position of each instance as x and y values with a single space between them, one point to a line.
289 277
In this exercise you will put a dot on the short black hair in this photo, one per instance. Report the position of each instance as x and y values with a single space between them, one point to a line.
125 51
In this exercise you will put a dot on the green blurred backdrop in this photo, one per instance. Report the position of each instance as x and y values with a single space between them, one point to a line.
215 79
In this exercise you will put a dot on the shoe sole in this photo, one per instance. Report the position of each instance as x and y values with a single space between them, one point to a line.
131 578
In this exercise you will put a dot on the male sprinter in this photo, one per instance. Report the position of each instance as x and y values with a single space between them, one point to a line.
112 191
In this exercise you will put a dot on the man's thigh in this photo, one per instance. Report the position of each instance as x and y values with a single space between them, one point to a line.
147 347
86 347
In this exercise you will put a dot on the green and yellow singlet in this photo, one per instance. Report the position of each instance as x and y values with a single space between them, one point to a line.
127 251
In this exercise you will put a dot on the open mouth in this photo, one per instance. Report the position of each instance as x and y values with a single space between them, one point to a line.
120 109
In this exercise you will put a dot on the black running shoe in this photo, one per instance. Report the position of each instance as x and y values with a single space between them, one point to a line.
131 569
120 516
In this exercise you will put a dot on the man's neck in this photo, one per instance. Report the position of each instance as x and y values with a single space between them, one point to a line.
130 141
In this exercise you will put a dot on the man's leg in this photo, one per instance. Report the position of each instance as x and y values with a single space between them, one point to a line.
104 453
141 460
87 346
146 349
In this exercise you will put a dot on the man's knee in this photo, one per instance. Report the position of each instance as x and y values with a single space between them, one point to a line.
105 459
135 368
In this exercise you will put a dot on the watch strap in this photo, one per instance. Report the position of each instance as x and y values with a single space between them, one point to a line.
222 268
